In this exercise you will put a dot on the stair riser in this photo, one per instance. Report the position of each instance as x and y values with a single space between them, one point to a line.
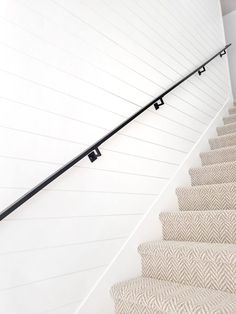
232 110
207 200
124 307
204 227
207 197
190 271
221 142
229 119
216 157
227 129
204 177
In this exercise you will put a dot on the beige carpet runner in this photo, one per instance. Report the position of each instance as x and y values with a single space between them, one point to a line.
193 269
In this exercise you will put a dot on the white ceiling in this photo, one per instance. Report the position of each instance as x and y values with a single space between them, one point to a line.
228 6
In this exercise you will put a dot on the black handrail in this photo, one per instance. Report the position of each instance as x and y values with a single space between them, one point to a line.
93 151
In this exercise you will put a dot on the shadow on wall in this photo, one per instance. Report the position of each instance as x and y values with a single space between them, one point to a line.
230 34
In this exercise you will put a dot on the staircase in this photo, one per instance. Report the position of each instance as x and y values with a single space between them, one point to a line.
193 269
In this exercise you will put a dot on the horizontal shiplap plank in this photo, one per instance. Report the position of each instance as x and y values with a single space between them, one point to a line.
75 204
41 122
39 265
65 289
82 179
69 307
63 231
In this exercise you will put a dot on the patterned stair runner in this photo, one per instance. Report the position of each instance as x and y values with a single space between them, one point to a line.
193 269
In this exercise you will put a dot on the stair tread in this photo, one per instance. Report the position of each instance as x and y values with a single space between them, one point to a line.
172 298
214 250
201 226
213 167
221 149
224 136
231 186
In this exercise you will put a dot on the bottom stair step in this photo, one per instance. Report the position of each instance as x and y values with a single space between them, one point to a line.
205 265
150 296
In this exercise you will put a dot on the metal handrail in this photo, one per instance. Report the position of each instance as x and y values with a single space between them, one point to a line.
93 151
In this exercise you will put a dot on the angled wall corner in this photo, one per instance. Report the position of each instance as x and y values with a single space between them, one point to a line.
230 34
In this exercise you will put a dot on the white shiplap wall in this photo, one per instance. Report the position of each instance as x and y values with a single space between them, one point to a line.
70 71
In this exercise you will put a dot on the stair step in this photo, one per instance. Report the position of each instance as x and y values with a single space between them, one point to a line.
229 119
223 141
200 226
226 129
213 174
207 197
232 110
150 296
205 265
225 154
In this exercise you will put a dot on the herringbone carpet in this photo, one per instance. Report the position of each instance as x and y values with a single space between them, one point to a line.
193 269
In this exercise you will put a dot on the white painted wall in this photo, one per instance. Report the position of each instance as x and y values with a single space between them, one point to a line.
70 71
230 34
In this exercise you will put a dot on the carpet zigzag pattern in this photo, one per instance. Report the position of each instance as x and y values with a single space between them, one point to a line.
226 129
193 269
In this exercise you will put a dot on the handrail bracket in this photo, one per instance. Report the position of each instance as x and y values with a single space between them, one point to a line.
94 155
203 69
158 103
223 53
